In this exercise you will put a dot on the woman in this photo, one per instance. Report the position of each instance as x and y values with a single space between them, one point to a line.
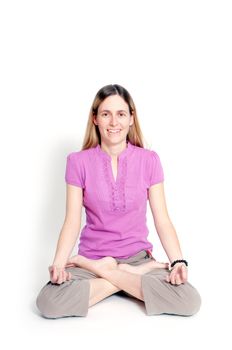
113 176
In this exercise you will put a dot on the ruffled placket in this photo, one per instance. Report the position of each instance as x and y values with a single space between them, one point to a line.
116 189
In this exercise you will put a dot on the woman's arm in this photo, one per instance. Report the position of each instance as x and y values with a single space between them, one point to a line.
163 224
71 227
167 233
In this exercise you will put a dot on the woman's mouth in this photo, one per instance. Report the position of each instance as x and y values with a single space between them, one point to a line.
113 131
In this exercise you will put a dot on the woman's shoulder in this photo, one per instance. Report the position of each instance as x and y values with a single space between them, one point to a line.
146 152
80 155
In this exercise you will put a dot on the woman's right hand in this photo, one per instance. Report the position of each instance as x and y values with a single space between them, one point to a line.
59 274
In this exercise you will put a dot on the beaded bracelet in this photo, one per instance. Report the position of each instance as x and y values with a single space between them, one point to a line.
177 261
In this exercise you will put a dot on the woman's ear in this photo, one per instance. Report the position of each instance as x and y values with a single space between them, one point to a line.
95 121
131 119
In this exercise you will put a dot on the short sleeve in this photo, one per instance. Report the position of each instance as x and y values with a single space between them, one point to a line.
156 173
74 171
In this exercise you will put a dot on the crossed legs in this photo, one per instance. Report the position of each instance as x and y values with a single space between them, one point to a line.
113 277
104 277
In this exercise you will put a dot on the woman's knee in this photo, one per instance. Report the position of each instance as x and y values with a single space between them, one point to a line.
67 299
192 300
161 297
45 302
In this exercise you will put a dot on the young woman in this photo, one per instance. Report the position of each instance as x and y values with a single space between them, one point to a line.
113 176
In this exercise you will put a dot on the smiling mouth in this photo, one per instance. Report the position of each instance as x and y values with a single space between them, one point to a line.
116 131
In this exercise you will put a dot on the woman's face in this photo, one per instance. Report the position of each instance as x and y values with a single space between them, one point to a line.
113 119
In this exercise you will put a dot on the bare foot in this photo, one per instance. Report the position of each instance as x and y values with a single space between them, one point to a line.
95 266
142 268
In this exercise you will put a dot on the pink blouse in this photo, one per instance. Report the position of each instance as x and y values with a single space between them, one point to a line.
115 210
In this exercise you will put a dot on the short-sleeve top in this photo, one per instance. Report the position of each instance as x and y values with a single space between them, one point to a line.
115 209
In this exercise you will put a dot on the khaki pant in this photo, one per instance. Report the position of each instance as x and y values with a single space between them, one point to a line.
71 298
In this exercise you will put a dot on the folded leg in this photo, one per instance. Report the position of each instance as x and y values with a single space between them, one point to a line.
161 297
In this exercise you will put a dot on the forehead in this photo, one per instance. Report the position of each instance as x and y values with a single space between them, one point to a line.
114 102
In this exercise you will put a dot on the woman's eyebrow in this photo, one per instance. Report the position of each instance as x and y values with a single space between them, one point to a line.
107 110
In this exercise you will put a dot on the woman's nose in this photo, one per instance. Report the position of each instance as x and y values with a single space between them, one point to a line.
113 120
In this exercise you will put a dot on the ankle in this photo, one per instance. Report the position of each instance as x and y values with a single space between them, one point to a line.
107 272
122 266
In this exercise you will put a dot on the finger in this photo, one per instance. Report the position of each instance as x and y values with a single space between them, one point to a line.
54 274
50 272
173 277
167 278
63 276
184 273
67 276
60 278
58 281
178 279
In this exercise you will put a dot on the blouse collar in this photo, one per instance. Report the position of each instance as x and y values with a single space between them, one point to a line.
122 155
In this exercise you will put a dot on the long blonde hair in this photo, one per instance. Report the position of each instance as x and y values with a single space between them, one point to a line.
92 135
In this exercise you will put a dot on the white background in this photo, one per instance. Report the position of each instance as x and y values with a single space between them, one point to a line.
174 57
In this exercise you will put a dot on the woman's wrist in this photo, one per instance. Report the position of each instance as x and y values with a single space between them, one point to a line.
59 264
179 261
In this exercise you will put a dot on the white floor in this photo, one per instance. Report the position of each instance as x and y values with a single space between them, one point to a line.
118 322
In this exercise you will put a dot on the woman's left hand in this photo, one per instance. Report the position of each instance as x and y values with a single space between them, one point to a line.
178 275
